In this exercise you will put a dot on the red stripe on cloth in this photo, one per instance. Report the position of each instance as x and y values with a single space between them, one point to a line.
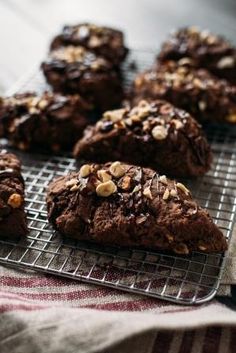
26 307
212 340
163 341
187 341
36 281
135 305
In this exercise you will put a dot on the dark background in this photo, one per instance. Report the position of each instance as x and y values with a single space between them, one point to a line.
27 25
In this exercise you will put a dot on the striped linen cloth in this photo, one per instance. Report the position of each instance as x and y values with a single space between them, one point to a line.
44 313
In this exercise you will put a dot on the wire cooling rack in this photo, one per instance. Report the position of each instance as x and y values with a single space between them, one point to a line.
183 279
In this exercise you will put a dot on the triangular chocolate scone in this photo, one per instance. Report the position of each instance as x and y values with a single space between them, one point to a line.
153 134
126 205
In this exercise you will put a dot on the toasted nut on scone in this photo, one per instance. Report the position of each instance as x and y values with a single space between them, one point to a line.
183 188
85 170
147 193
166 194
159 132
103 175
15 200
181 248
106 189
117 169
71 182
163 179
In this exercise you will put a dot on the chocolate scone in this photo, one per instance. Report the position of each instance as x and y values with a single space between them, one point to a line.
201 49
154 134
12 215
126 205
205 96
74 69
47 122
103 41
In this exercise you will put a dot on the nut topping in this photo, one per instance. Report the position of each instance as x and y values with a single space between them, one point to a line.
114 115
106 189
15 200
173 193
178 124
226 62
71 182
125 183
181 249
163 179
166 194
117 169
159 132
147 193
103 175
183 188
85 170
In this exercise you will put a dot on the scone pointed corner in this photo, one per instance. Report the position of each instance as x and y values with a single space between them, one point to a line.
121 204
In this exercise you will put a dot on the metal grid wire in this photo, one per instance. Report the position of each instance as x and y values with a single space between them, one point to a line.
186 280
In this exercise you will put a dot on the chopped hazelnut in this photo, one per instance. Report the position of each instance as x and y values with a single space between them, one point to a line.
226 62
159 132
163 179
114 115
178 124
85 170
125 183
117 169
202 248
137 188
181 249
202 105
183 188
15 200
33 110
147 193
173 193
74 188
185 61
106 189
166 194
42 103
103 175
71 182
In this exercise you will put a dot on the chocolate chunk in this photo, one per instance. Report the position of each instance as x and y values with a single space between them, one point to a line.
154 134
203 49
74 69
205 96
108 213
12 215
47 122
103 41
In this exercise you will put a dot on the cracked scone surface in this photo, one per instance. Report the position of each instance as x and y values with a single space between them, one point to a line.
12 215
154 134
121 204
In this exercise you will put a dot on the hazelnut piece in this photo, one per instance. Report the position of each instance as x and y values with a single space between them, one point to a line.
106 189
103 175
85 170
159 132
15 200
117 169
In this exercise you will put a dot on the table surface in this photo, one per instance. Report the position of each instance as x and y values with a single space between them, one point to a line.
26 26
